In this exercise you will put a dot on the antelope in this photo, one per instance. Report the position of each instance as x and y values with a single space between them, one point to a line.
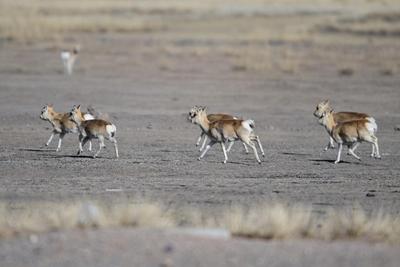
350 133
91 129
224 130
68 59
61 124
340 117
217 117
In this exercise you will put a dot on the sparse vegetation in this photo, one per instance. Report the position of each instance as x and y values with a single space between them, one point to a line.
273 221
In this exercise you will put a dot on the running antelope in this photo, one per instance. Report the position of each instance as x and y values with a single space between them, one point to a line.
91 129
340 117
61 123
212 118
225 130
350 133
68 59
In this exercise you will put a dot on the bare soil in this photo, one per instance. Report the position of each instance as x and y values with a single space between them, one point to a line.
149 247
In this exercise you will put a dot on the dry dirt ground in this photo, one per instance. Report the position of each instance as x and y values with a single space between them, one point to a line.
146 83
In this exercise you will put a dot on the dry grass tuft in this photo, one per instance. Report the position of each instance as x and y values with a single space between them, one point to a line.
273 221
43 217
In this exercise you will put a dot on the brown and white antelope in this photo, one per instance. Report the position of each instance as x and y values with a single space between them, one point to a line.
223 131
212 118
350 133
340 117
68 59
61 123
99 129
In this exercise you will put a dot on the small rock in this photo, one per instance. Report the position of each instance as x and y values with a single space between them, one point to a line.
168 248
397 127
370 195
346 72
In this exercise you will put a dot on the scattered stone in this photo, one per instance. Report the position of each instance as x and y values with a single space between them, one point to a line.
386 72
370 195
168 248
346 72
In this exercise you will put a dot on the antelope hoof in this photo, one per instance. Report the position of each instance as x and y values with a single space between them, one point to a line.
259 162
57 149
199 158
224 162
378 157
79 152
337 161
94 156
263 155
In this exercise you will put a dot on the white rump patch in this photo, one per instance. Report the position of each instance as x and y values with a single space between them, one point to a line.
371 126
248 125
65 55
111 129
88 117
373 123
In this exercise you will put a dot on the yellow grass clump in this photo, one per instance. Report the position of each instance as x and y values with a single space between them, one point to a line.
272 221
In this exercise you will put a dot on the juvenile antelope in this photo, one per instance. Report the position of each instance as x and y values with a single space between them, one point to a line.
61 123
225 130
350 133
91 129
68 59
340 117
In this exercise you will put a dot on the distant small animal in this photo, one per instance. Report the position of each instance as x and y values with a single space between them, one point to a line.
68 59
93 129
61 124
350 133
340 117
222 131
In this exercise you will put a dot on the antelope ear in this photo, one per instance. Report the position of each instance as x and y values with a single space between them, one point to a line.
50 105
78 107
204 108
326 101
